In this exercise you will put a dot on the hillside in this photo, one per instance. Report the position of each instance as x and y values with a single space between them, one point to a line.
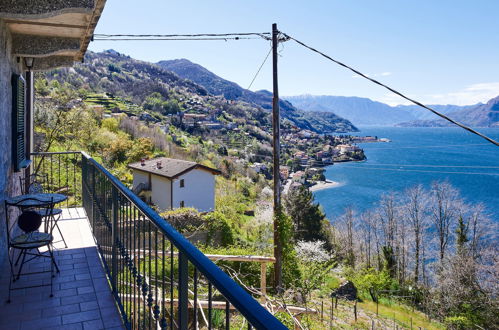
218 86
480 115
365 112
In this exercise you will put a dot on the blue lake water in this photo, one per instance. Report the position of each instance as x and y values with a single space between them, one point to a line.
468 162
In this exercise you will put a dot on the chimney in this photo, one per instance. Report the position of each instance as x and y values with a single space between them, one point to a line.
158 164
143 162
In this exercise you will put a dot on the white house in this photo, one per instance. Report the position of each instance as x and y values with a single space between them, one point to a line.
172 183
344 148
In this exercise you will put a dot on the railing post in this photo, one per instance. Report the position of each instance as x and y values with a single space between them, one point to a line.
84 184
183 278
92 199
114 235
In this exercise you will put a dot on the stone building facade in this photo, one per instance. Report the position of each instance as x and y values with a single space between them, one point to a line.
9 180
41 34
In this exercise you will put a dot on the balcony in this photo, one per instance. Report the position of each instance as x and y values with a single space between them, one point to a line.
82 296
125 263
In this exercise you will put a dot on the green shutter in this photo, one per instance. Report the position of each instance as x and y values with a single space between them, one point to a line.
18 122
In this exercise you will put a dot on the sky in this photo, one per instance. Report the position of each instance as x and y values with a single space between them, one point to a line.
438 52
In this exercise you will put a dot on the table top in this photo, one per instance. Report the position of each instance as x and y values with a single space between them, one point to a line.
42 197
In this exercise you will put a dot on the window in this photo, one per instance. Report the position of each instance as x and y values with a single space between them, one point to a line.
18 123
181 203
182 183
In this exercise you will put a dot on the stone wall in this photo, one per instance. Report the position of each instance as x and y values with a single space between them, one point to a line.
9 181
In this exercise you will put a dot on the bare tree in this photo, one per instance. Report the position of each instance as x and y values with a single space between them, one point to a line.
415 211
445 206
387 216
345 228
367 228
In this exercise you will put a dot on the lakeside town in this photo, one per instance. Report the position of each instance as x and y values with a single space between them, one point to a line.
304 153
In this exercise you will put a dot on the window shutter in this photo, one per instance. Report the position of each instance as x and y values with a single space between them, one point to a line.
18 122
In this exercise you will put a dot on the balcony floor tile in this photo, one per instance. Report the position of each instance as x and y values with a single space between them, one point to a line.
75 304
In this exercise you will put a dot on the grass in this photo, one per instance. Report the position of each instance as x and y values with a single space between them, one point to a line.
402 315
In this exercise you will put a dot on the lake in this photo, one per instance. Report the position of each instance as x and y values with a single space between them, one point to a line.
416 155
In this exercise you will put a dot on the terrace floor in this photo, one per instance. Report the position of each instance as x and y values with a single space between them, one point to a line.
82 296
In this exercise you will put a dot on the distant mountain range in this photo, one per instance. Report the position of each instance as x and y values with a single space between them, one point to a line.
316 120
121 75
480 115
366 112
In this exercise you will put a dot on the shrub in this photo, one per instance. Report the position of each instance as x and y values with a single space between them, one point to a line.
366 279
458 322
217 222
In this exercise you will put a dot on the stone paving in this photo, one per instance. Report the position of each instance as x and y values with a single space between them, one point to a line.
82 296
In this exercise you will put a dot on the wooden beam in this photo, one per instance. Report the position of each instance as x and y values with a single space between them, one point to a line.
221 257
222 305
263 279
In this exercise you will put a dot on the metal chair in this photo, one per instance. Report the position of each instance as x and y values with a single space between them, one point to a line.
29 242
34 184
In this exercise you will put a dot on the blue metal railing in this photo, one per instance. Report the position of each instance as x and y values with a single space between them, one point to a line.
159 279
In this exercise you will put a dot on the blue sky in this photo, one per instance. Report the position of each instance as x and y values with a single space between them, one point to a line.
440 52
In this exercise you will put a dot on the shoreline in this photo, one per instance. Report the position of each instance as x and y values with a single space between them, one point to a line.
324 185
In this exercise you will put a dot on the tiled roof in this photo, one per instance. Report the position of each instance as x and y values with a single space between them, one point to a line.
169 167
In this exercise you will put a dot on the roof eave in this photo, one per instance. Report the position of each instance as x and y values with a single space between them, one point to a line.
55 33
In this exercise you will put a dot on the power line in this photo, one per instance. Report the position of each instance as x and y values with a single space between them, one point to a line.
184 35
176 39
198 36
394 91
260 68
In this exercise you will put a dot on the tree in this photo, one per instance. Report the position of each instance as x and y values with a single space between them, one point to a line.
308 219
461 236
388 217
141 148
293 164
118 149
346 228
414 210
445 206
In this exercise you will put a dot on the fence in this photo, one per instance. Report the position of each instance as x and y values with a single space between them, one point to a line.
158 277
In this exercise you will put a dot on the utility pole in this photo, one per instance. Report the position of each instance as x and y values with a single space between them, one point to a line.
276 159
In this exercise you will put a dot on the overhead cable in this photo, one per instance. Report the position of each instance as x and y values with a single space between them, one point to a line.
394 91
176 39
198 36
184 35
260 68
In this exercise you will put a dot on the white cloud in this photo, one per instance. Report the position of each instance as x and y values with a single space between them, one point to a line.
471 94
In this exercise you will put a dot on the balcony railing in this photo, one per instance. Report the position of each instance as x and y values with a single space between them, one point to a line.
159 279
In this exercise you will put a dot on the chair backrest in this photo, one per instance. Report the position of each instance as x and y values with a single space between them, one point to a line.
29 221
33 184
26 220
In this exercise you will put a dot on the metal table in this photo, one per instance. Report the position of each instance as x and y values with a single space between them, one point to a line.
42 197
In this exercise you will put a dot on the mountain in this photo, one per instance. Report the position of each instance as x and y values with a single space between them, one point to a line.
366 112
218 86
360 111
423 114
479 115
